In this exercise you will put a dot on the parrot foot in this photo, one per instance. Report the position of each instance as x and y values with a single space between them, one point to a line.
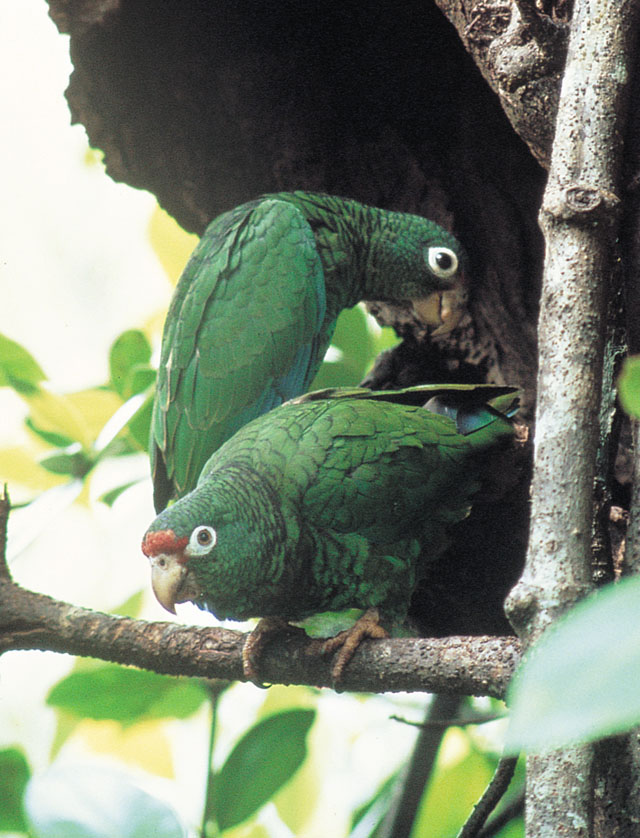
255 643
346 642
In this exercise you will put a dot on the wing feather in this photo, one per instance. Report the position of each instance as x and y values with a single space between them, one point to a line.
244 332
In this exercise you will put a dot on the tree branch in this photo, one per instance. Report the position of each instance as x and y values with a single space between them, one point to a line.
493 794
5 506
400 818
462 665
579 217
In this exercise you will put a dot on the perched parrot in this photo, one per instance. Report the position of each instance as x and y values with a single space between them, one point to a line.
331 501
255 309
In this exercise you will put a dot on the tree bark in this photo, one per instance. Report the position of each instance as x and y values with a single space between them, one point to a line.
520 52
458 665
580 216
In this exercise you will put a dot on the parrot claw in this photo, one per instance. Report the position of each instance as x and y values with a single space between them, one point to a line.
345 643
255 643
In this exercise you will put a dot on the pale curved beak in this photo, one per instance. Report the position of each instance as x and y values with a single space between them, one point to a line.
443 309
167 577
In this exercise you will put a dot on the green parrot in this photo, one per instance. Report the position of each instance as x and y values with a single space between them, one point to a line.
255 309
332 501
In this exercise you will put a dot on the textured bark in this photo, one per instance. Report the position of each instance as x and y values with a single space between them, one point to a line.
579 216
631 250
461 665
631 556
520 52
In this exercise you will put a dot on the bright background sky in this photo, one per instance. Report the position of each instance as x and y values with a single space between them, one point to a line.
73 243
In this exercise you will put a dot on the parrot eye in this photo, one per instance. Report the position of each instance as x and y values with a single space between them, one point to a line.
442 261
201 541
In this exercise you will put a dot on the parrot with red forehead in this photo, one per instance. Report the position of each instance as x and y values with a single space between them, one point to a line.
255 309
332 501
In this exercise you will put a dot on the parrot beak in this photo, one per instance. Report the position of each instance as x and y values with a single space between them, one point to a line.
167 577
443 309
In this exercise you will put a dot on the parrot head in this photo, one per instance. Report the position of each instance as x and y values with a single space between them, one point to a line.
444 307
426 266
215 546
172 577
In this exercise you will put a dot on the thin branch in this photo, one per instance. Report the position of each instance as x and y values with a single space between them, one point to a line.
5 508
512 810
493 794
454 721
401 816
631 561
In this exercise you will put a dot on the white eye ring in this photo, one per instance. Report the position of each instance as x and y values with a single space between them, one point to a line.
202 540
442 261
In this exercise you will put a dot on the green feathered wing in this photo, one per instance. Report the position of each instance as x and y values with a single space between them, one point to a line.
244 331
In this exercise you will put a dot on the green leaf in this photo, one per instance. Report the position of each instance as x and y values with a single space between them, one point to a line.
130 352
126 695
581 681
369 817
50 437
141 377
262 761
73 462
514 829
629 386
131 607
358 339
441 814
18 368
14 775
386 338
140 423
110 497
352 339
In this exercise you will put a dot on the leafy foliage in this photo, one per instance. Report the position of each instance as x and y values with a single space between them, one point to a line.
629 386
14 775
356 344
129 359
18 368
96 802
263 760
582 679
76 431
108 691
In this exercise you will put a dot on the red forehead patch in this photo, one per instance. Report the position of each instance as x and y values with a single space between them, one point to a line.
163 541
